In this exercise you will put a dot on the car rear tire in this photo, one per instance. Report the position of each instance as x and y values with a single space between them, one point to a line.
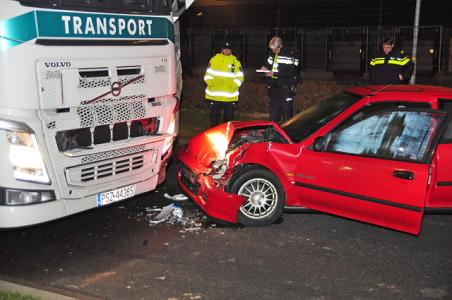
265 197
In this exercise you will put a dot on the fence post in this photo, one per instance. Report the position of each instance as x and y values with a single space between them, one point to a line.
326 49
366 56
440 50
302 49
190 50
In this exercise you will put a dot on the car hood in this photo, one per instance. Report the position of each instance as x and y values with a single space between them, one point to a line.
214 143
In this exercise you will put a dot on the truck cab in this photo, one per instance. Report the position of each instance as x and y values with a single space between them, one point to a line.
88 106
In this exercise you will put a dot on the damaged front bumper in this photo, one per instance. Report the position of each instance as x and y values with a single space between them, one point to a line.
214 202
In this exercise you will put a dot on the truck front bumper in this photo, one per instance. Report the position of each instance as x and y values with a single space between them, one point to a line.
27 215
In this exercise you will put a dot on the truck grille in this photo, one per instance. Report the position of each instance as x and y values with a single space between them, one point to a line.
87 137
112 168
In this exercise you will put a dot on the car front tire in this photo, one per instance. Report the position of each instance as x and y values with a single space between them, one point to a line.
265 197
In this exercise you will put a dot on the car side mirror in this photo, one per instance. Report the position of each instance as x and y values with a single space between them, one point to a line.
319 144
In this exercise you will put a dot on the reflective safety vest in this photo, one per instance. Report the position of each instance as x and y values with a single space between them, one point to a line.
223 77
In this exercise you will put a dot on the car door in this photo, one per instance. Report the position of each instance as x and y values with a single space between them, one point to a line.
374 168
441 194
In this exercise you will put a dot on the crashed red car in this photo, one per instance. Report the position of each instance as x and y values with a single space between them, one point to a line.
381 155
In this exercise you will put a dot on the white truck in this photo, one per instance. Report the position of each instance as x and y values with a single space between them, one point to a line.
88 106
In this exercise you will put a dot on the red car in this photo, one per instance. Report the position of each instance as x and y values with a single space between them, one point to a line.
380 155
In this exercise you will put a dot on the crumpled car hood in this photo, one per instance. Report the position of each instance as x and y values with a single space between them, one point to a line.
213 144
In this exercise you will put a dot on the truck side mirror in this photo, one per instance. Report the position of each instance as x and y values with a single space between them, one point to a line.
319 144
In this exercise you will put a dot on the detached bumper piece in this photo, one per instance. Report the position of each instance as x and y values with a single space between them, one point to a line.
213 201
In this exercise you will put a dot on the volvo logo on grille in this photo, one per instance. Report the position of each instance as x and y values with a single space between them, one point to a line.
116 88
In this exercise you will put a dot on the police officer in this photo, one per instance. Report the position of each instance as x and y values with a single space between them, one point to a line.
281 70
391 66
223 77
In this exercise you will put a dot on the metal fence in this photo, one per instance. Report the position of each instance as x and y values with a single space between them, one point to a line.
338 49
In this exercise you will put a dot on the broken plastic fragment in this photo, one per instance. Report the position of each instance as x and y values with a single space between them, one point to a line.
178 197
168 211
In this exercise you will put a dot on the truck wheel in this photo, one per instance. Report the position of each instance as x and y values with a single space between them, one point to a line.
265 197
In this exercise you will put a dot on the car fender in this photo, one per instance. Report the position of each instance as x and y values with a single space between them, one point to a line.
277 158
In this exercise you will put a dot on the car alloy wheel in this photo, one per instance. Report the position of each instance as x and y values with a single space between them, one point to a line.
265 197
262 198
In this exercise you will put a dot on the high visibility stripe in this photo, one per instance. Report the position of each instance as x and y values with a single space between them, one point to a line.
238 82
376 62
208 77
395 61
222 94
296 62
400 62
275 66
286 61
220 73
239 74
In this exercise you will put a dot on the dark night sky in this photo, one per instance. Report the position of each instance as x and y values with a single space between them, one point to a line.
311 13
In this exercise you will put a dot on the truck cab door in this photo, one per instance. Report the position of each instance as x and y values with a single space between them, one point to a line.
372 168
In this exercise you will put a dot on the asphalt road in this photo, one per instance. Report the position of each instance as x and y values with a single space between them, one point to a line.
116 253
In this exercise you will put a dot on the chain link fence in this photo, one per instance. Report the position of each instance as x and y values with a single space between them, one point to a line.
339 50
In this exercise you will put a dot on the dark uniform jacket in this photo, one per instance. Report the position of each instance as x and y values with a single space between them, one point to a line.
385 69
285 68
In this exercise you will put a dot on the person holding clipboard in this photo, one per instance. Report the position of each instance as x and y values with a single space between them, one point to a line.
281 71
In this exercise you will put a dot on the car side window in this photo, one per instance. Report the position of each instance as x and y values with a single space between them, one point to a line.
396 134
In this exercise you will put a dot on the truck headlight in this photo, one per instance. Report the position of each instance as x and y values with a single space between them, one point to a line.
26 157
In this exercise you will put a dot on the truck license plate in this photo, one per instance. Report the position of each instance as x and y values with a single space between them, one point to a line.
115 195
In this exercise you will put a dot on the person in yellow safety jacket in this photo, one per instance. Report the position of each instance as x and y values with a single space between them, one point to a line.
390 66
223 77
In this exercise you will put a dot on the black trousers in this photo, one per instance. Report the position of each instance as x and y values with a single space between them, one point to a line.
281 103
215 111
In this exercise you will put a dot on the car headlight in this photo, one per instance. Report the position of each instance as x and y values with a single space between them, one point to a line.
219 143
26 157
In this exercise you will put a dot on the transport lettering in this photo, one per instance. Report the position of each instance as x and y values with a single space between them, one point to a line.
106 26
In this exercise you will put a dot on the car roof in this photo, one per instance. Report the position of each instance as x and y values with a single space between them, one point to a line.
402 90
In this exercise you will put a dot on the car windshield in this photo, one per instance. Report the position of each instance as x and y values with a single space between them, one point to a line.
311 119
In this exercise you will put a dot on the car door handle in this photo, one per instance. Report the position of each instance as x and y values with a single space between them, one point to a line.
408 175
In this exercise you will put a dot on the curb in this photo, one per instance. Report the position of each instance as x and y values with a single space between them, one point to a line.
7 286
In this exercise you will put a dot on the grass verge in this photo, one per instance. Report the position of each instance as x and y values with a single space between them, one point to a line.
15 296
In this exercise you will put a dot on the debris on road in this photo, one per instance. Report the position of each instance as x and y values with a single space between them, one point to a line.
178 197
192 220
168 211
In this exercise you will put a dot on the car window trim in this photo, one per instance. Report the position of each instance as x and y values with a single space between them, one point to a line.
447 121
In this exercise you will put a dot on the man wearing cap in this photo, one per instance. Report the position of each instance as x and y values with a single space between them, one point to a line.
223 77
281 70
390 66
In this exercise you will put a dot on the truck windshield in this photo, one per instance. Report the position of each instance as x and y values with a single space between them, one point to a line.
160 7
311 119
